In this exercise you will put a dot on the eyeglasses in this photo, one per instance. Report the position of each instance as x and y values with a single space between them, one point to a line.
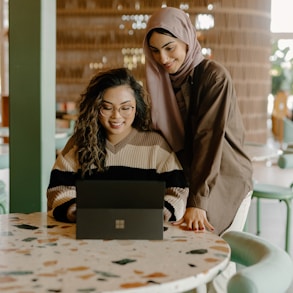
124 111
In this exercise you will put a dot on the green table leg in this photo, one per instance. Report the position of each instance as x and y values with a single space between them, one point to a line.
288 225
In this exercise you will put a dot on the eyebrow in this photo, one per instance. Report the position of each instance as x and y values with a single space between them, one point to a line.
165 45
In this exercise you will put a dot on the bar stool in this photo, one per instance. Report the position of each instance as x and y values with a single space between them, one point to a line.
283 194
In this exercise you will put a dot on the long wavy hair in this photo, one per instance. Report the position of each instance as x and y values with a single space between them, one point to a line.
89 134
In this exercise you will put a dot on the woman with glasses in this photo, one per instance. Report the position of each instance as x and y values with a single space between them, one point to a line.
113 140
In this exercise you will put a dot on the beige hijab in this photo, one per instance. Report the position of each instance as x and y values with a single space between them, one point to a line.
165 112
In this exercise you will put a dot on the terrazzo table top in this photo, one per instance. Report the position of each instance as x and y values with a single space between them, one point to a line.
39 254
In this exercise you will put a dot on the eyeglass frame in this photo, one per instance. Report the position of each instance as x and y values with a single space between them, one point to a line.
115 109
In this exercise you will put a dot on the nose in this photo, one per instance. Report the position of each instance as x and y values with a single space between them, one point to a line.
115 112
163 58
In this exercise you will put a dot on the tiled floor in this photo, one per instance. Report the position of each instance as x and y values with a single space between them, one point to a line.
273 213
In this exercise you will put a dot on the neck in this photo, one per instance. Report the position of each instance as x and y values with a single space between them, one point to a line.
116 138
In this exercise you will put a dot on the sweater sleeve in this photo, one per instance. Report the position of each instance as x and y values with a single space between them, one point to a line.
61 192
171 172
209 122
66 212
175 203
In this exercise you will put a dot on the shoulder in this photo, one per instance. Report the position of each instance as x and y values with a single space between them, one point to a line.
151 138
212 65
67 159
211 70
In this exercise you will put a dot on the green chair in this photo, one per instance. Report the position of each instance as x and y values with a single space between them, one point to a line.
275 192
265 268
3 200
4 164
62 135
288 131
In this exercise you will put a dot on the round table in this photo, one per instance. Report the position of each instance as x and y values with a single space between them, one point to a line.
39 254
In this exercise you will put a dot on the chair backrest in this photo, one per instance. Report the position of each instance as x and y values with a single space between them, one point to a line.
268 268
4 156
285 161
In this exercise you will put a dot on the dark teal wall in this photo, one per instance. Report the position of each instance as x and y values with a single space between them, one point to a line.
32 54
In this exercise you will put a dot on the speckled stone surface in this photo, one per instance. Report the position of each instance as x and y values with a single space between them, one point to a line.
39 254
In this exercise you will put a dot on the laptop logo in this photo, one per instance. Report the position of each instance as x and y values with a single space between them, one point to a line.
119 224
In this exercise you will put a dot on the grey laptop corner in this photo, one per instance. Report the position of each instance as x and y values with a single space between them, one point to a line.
120 209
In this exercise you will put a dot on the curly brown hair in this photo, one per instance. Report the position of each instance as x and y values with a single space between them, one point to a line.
89 134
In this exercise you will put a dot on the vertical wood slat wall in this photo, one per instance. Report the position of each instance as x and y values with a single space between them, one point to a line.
96 34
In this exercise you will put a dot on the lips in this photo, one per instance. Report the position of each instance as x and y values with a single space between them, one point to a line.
116 124
168 65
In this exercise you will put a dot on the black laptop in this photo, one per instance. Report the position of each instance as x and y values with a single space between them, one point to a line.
119 209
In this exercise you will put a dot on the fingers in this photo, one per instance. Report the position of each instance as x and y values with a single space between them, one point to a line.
179 222
196 220
201 226
195 225
190 225
209 226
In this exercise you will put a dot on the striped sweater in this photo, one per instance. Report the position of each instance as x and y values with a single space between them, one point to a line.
139 156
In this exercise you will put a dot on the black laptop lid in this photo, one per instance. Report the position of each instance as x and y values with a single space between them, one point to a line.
130 194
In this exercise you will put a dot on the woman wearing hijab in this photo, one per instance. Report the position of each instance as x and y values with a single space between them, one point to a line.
194 106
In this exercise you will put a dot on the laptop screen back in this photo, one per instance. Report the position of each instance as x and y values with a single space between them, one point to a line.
119 209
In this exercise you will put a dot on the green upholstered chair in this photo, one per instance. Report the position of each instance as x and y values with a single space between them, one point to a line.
3 200
275 192
4 161
288 131
265 268
62 135
4 164
60 141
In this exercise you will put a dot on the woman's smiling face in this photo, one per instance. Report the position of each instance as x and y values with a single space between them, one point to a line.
117 112
167 51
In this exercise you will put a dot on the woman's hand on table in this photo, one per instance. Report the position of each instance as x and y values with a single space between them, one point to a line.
195 219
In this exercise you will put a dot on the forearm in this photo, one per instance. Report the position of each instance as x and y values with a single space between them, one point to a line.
66 212
175 203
